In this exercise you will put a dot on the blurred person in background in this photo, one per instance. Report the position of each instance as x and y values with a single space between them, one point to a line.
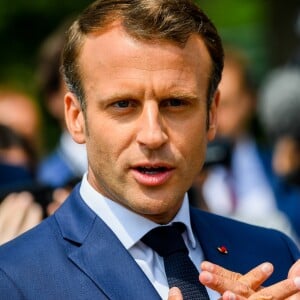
68 161
47 183
279 112
23 202
17 158
19 111
238 184
18 211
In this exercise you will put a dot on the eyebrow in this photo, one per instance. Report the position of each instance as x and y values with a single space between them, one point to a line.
182 95
135 95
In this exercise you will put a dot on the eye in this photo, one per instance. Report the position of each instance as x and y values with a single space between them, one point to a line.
176 102
173 102
121 104
124 104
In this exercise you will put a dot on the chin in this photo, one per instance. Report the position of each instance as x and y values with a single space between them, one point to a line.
161 214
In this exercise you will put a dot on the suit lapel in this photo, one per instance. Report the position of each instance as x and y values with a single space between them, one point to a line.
98 253
212 237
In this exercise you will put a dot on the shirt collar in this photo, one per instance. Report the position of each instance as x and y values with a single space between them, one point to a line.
123 222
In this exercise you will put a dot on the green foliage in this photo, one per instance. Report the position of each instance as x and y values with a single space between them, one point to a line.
23 27
242 24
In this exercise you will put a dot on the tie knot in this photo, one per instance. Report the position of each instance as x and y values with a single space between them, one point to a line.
166 240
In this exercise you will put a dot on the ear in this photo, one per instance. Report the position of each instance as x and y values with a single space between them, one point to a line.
74 118
213 114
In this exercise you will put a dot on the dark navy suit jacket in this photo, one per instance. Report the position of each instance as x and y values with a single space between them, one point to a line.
74 255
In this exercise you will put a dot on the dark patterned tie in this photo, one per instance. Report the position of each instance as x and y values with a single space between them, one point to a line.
167 241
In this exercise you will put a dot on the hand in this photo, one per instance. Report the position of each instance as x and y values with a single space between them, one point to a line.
248 286
278 291
294 274
59 196
175 294
18 213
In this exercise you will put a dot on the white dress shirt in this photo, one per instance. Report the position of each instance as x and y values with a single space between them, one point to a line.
123 223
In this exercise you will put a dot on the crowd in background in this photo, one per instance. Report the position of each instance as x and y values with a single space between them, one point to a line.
252 169
47 177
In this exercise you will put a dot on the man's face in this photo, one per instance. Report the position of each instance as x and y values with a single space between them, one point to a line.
145 123
235 106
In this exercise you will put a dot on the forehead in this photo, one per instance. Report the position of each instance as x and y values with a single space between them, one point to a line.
113 51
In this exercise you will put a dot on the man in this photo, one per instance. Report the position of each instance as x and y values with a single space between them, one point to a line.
143 79
19 111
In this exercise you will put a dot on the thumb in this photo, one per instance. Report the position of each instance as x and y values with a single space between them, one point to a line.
295 270
175 294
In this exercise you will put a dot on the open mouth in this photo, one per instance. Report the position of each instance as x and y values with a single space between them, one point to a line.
152 175
152 170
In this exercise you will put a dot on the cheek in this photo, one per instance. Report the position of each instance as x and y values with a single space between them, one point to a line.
193 143
105 142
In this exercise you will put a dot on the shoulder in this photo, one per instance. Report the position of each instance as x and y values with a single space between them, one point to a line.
29 244
44 239
31 253
247 245
258 239
227 225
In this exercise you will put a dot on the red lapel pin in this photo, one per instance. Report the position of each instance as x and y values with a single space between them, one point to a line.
222 249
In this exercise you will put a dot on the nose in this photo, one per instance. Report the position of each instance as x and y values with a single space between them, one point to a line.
151 132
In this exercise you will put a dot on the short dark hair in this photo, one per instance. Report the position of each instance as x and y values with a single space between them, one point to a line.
172 20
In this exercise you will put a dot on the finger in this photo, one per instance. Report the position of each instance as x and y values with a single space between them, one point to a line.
22 204
52 207
278 291
221 279
8 199
175 294
8 207
255 277
33 217
221 284
231 296
294 297
295 269
60 195
220 271
12 213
